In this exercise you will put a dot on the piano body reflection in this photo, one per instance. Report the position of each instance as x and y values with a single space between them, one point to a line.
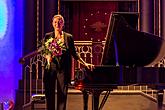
128 58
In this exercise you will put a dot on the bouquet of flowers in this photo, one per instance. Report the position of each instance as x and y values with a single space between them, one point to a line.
53 48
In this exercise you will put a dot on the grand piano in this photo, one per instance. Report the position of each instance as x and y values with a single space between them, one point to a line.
129 57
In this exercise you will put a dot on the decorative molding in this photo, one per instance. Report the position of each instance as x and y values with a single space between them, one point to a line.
98 26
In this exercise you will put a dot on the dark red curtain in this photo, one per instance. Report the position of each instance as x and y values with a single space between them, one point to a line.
91 19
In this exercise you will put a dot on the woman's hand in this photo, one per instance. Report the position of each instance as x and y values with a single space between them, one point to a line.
89 66
48 58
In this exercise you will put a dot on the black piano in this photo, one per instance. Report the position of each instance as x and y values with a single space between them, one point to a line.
129 57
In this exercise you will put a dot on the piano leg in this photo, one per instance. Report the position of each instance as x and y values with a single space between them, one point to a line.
95 99
85 99
160 95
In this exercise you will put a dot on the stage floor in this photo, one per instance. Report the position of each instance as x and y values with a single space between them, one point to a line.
116 101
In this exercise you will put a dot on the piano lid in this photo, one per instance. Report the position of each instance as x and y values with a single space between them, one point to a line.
127 46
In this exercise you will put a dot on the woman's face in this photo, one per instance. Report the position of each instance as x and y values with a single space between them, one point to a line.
58 24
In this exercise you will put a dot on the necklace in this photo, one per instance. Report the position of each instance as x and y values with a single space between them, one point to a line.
60 38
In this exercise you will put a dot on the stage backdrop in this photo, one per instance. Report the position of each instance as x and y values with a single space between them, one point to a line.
11 34
91 20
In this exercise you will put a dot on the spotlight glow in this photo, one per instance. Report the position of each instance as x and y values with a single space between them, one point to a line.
11 35
3 18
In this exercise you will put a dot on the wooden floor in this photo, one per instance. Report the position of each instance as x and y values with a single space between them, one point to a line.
127 101
114 102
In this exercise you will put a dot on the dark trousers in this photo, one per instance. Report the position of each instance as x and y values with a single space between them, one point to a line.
50 78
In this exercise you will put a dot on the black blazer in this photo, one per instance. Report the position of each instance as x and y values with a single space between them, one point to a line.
66 58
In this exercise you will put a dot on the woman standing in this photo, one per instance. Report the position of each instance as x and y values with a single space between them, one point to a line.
59 49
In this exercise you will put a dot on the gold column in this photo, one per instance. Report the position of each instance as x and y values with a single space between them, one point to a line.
38 2
159 18
139 22
58 6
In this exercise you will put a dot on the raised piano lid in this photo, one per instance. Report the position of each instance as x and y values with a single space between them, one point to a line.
129 47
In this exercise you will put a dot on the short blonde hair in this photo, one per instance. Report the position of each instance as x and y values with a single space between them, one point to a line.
58 16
